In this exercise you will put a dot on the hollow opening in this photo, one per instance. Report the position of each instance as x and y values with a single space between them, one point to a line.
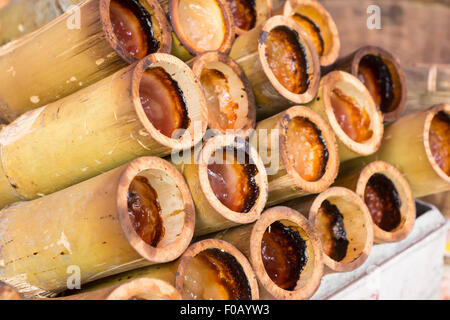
307 150
202 24
380 77
137 33
383 201
439 140
244 13
233 179
342 228
351 112
155 208
287 255
287 59
214 274
226 97
163 102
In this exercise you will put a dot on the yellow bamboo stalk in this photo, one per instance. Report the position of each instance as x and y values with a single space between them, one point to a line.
62 57
85 231
271 96
285 182
353 88
92 131
249 238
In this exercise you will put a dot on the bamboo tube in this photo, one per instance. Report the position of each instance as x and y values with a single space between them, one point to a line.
228 183
138 289
279 275
62 57
381 184
300 152
354 139
213 265
249 13
319 25
21 17
381 73
298 85
9 293
344 225
90 227
407 146
230 99
199 26
95 130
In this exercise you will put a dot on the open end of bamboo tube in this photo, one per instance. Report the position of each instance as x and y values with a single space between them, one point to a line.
9 293
308 149
286 254
436 137
155 209
344 225
289 59
215 270
229 97
389 199
135 28
381 73
169 101
249 13
233 178
202 25
145 289
352 112
319 25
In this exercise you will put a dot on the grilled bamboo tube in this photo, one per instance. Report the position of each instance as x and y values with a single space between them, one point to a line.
249 13
61 60
344 225
228 183
199 26
9 293
136 215
99 128
266 56
266 244
351 112
230 99
382 75
209 270
21 17
418 145
388 196
319 25
299 151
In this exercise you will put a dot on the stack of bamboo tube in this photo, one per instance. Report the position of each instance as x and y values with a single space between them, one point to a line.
200 149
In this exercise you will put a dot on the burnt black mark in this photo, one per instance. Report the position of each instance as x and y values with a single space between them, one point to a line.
337 231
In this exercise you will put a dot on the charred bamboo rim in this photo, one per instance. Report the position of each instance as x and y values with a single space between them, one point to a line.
430 114
145 288
311 275
192 92
352 87
242 91
7 292
407 209
316 12
311 56
332 166
357 223
263 10
160 24
228 26
400 76
225 247
233 141
177 208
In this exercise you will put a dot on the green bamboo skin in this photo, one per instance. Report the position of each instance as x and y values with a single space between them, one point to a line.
92 131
